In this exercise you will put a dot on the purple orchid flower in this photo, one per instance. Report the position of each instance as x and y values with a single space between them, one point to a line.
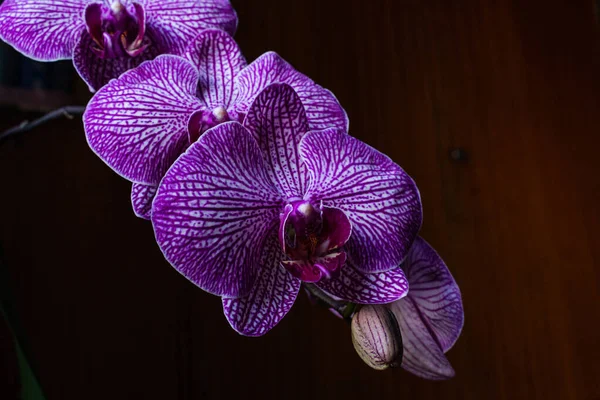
140 123
108 37
250 211
431 316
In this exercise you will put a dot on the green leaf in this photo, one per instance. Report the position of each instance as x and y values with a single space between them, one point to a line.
30 387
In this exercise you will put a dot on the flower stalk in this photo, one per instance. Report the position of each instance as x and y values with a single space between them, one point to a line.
345 309
68 112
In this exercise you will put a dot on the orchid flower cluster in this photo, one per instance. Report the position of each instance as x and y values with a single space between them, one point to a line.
248 174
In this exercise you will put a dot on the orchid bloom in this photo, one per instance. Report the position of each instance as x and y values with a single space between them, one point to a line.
250 211
108 37
431 316
140 123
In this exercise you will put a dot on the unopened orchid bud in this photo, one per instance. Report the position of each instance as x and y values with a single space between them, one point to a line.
376 337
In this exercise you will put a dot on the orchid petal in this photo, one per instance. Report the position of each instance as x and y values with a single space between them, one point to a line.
214 210
337 229
365 288
422 353
141 199
218 59
431 317
435 292
271 297
45 30
379 198
97 71
322 108
278 123
181 20
138 123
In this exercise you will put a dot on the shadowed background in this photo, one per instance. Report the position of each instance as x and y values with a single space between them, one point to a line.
514 84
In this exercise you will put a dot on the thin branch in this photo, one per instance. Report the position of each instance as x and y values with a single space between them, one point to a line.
343 308
350 309
67 112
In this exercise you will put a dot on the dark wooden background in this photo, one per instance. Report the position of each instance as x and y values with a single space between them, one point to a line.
516 84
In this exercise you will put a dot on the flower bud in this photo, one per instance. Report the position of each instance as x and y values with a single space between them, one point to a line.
376 337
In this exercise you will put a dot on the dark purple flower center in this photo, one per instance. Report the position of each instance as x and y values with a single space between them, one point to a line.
303 231
311 238
203 120
116 27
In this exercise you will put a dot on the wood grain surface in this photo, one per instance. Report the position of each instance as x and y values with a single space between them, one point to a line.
514 84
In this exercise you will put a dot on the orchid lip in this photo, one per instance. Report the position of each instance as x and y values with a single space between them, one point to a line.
311 237
116 30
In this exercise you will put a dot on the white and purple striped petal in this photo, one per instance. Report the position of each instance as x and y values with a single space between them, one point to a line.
214 210
141 199
278 122
380 199
422 354
431 317
322 108
98 71
137 124
45 30
181 20
366 288
271 298
435 292
218 59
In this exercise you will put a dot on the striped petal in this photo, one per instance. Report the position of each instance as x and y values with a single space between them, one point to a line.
97 71
45 30
271 298
431 316
141 199
218 59
322 108
379 198
214 210
138 123
181 20
422 354
435 292
365 288
278 122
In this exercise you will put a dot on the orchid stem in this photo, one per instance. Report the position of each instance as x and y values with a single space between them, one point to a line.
324 297
349 310
67 112
343 308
